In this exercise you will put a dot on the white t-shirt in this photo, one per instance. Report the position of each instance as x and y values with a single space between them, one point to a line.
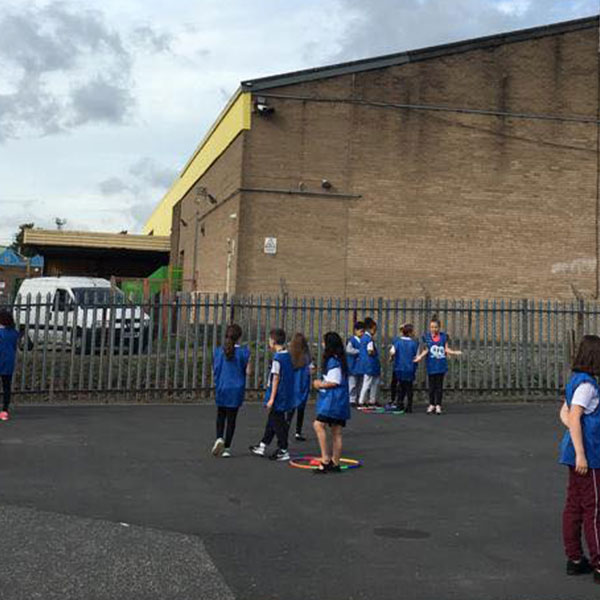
393 348
586 396
333 376
276 366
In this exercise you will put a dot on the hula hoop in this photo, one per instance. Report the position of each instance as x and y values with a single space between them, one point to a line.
308 461
380 410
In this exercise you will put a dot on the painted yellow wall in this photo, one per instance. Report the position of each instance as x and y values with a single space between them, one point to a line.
235 118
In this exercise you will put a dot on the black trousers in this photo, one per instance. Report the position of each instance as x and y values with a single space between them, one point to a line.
6 385
299 418
226 416
277 425
401 390
436 388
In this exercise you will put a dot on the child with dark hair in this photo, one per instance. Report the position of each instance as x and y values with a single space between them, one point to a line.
352 353
580 451
9 337
403 352
231 365
279 399
333 404
369 365
437 350
303 368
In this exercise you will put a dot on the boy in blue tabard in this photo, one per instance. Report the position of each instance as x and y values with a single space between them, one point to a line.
403 352
279 399
231 365
352 353
580 452
9 337
437 350
368 364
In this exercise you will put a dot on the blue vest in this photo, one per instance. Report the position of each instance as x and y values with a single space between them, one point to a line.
230 377
590 426
284 400
437 362
8 350
302 384
335 402
352 359
367 364
406 350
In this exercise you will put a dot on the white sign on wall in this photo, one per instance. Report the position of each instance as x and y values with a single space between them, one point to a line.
270 245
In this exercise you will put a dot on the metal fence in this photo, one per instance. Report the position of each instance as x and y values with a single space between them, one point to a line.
163 347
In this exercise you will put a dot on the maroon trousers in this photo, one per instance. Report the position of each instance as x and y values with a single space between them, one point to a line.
582 509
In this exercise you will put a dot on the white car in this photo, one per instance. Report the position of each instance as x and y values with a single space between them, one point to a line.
92 312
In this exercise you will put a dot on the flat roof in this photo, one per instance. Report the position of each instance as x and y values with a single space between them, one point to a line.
400 58
41 238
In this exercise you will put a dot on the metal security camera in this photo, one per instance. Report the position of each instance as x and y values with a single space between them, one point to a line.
263 108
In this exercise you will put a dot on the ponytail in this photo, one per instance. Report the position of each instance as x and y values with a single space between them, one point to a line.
232 335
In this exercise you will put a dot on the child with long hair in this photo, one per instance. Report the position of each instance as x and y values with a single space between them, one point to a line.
403 352
369 365
303 368
231 365
333 404
9 336
279 399
580 451
437 350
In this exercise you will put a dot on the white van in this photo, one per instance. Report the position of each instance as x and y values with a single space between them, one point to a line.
62 311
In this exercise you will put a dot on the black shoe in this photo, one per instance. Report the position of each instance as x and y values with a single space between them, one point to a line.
323 469
334 468
299 437
582 567
400 408
280 455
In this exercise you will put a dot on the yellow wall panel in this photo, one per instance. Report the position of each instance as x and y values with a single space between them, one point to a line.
235 118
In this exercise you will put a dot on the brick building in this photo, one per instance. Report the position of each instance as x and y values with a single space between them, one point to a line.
463 170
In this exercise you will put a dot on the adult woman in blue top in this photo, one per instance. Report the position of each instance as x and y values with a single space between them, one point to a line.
333 404
437 351
8 354
231 364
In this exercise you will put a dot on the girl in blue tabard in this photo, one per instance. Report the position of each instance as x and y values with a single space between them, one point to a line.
580 451
279 399
369 365
8 354
352 354
303 368
437 350
231 364
333 404
403 352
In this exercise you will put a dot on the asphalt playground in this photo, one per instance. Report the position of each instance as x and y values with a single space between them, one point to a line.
111 502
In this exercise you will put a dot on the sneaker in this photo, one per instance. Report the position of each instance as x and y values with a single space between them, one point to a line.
4 416
280 455
580 567
258 450
299 437
430 409
334 468
596 576
438 410
218 446
390 407
226 453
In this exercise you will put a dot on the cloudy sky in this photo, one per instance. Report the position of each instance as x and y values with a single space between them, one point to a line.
103 101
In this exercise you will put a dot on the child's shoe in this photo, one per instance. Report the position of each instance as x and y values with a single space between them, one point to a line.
430 409
299 437
258 450
438 410
218 446
581 567
334 468
4 416
390 407
226 453
280 455
596 576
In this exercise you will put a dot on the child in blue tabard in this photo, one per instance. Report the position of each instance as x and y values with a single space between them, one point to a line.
333 403
279 399
369 365
9 337
352 353
403 352
303 368
580 451
231 364
437 350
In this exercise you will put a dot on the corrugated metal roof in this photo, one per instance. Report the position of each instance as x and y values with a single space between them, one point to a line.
379 62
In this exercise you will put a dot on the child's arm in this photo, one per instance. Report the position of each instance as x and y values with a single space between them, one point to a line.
392 353
575 414
318 384
451 352
350 349
274 386
371 347
249 368
564 414
421 355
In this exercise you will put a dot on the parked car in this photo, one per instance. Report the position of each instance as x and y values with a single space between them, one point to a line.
87 311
